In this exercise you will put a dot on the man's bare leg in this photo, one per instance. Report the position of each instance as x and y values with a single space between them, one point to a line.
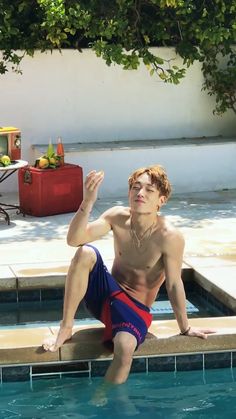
118 371
75 288
124 347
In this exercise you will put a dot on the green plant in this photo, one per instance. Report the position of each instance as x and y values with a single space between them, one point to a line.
220 81
124 32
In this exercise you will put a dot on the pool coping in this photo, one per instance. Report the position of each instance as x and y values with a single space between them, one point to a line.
22 355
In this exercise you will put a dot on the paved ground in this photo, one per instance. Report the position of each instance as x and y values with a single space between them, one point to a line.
207 220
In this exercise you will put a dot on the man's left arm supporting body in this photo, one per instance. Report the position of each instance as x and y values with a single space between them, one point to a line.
173 259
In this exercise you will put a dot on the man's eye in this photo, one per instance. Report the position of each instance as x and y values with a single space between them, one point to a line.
150 190
135 187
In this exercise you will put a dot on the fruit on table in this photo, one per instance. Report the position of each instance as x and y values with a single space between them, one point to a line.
43 162
50 160
5 160
54 161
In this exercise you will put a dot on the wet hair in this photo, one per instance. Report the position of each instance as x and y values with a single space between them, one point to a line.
158 178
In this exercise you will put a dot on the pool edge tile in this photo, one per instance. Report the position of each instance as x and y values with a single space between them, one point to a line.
8 280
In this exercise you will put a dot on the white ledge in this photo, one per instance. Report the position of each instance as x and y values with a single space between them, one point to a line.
138 144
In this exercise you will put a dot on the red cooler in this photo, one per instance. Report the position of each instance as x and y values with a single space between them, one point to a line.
50 191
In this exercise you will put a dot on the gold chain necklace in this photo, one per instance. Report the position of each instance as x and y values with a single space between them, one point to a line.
139 241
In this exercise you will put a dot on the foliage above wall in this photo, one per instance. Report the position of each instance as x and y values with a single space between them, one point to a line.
124 32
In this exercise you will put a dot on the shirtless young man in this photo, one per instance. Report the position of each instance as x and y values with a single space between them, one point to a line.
148 251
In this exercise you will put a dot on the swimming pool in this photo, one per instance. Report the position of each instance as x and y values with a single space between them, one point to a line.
205 394
38 306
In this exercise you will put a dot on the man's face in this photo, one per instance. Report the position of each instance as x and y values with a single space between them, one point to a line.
144 196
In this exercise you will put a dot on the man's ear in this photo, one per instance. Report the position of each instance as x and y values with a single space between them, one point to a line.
162 199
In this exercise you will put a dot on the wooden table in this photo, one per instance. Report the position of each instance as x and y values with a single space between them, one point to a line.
5 172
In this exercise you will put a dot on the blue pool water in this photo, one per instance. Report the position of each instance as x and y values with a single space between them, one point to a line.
193 394
28 312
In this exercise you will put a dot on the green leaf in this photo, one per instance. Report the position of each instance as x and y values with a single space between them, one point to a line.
125 31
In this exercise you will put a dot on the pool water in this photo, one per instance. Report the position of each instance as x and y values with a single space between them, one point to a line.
209 394
51 310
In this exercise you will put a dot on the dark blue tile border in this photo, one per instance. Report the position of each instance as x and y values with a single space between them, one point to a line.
217 360
234 359
52 294
8 296
60 368
164 363
189 362
139 365
210 299
99 368
16 373
29 295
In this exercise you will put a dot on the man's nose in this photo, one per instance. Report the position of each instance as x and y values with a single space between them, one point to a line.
141 192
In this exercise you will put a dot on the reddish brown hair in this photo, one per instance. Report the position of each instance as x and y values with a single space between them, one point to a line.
158 178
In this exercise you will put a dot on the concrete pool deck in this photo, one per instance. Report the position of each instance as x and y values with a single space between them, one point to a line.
34 255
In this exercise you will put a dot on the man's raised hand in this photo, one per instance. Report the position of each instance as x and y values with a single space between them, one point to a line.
91 185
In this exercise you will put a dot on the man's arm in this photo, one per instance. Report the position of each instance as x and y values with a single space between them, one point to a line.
173 258
80 230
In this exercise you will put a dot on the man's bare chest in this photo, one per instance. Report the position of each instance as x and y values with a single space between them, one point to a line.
149 245
146 259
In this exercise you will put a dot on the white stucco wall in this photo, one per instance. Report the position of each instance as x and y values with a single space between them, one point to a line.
189 168
76 96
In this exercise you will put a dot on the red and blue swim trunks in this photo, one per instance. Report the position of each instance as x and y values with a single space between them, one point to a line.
110 304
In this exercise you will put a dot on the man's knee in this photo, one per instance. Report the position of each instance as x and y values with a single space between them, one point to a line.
124 346
85 256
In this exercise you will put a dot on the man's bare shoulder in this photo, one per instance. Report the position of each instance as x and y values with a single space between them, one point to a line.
116 211
171 235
